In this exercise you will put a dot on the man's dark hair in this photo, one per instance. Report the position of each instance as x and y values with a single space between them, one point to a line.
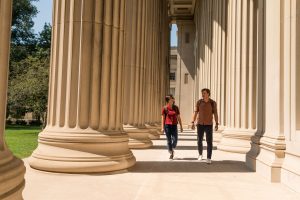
206 90
168 97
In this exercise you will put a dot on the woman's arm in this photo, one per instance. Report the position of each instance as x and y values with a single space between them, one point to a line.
180 122
162 123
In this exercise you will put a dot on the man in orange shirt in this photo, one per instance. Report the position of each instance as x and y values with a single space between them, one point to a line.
205 109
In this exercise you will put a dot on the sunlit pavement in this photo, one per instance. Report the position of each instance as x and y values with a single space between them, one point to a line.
156 177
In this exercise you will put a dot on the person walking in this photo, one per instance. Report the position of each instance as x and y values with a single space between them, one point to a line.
170 118
205 109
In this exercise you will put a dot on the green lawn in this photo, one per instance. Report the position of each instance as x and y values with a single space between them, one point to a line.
22 140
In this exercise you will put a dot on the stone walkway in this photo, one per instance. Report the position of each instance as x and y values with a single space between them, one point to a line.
154 177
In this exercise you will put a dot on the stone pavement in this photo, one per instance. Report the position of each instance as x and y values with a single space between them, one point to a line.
155 177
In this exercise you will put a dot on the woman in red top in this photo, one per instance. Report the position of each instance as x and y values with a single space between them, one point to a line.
170 118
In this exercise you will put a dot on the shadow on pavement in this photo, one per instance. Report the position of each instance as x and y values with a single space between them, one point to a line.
179 166
180 147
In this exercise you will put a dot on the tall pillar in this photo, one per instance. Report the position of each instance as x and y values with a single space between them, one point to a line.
148 79
241 91
211 55
154 69
12 169
151 100
84 132
272 143
134 121
290 172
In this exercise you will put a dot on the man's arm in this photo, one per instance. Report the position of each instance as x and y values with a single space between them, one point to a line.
195 115
216 117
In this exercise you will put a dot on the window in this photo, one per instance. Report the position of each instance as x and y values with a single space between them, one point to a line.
187 37
186 78
172 76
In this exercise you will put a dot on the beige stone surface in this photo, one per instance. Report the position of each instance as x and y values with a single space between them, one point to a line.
154 177
185 73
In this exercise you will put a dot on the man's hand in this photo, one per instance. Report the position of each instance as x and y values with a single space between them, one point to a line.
216 127
193 126
162 130
181 129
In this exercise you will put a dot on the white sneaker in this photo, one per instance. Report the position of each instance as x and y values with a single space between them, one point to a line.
200 157
208 161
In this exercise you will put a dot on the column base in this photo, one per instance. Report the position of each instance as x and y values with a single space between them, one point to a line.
154 133
290 172
266 157
12 172
81 151
158 128
236 140
138 137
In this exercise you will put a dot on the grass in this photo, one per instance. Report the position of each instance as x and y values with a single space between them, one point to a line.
22 140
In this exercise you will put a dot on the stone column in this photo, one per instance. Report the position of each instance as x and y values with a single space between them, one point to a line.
242 66
271 146
290 172
12 169
84 132
150 102
211 55
134 122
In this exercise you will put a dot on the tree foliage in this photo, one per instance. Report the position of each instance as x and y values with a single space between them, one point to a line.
29 63
28 91
22 22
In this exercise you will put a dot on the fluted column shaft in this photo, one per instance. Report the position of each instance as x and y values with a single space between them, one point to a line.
270 146
84 131
11 168
134 94
146 22
241 69
211 54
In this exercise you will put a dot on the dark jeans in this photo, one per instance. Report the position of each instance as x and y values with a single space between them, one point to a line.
172 136
208 129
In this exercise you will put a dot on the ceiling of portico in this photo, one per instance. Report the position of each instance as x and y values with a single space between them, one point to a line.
181 9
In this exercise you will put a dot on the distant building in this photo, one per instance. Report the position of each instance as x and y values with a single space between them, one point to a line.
173 69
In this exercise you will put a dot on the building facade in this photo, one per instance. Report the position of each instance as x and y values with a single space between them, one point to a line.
173 71
109 74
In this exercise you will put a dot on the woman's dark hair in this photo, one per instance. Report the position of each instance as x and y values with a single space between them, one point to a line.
206 90
168 97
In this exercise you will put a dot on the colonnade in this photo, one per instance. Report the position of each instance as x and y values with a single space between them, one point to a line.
247 54
108 76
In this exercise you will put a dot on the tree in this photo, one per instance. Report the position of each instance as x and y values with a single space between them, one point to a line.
28 92
44 39
23 39
22 22
29 64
